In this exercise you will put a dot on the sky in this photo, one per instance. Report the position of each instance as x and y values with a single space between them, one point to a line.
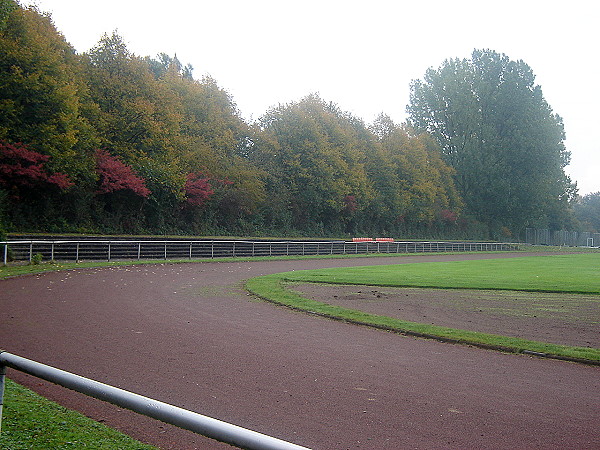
360 55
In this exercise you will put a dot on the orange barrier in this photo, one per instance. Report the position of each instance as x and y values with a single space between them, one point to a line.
384 239
362 240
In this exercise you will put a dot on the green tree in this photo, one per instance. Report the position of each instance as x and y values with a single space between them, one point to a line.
413 183
587 211
215 139
139 121
317 161
500 135
43 94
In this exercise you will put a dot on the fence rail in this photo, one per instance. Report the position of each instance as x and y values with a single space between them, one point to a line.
563 238
204 425
79 250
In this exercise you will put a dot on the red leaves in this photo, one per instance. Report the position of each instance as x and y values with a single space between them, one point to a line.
116 175
448 216
200 186
198 189
350 203
21 167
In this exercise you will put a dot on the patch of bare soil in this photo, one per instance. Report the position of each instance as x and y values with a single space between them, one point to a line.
566 319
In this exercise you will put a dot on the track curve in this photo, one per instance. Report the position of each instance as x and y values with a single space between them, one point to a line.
188 334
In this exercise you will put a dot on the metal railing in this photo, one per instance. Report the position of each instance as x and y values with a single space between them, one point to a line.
562 238
182 418
108 250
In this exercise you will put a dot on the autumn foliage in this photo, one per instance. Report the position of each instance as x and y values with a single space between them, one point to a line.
21 167
169 146
198 189
115 175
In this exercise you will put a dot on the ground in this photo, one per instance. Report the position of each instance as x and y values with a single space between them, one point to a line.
190 335
565 319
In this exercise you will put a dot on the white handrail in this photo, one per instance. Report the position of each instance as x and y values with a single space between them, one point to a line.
198 423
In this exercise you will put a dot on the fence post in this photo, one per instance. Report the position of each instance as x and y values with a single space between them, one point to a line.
5 253
2 380
30 251
77 252
108 250
139 250
52 251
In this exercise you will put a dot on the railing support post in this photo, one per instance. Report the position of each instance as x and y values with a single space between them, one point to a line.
2 380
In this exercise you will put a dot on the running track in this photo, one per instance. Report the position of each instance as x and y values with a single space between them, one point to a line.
189 335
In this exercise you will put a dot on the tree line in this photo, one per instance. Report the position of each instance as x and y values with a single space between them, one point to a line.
107 141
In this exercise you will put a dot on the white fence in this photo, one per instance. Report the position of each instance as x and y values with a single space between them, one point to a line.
108 250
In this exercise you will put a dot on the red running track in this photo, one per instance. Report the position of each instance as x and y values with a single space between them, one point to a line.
189 335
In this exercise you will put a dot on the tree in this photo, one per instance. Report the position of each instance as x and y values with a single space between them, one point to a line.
499 134
587 211
21 168
31 188
317 162
43 95
414 186
114 175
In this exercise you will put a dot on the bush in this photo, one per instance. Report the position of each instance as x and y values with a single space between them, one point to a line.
37 259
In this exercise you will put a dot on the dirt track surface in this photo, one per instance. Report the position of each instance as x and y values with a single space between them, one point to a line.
189 335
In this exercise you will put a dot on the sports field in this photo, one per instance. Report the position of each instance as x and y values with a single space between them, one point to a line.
542 304
192 336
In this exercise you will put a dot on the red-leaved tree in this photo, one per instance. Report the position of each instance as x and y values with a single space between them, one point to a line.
198 188
450 217
350 204
21 167
115 175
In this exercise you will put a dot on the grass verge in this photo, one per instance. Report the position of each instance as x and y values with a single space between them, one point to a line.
569 273
31 421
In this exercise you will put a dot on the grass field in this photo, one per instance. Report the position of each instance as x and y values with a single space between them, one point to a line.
32 422
558 273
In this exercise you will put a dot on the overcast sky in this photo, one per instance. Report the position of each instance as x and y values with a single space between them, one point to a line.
361 55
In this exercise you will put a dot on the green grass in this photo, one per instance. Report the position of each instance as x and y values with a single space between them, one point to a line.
32 422
559 273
